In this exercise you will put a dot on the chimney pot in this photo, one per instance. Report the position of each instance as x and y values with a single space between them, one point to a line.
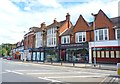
68 16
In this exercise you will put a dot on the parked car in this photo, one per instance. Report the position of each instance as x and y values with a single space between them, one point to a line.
9 58
5 57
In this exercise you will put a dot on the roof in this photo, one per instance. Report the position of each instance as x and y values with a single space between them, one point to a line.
68 31
37 30
90 24
116 21
54 24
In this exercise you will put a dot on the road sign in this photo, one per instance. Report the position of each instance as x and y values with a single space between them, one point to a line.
118 69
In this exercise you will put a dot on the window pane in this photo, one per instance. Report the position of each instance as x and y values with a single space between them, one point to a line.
98 54
68 39
83 37
117 54
64 40
106 34
107 54
76 37
112 54
102 54
54 40
96 35
118 34
80 38
100 34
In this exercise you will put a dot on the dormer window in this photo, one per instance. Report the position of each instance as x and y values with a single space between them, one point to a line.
101 34
117 33
80 37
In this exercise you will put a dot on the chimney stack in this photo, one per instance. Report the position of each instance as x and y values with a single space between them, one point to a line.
68 17
55 20
43 25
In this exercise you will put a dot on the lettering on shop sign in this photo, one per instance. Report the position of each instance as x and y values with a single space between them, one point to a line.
74 45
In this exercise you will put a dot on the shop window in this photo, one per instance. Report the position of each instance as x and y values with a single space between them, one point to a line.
117 54
107 54
34 55
112 54
98 54
94 53
102 54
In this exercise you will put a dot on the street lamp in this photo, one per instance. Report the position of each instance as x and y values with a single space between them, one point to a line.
94 39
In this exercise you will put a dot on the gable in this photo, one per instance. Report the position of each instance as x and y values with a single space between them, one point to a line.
81 25
101 20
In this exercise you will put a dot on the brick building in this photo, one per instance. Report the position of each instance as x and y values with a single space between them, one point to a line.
105 44
48 40
84 42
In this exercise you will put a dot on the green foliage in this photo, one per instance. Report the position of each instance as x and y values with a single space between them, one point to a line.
5 49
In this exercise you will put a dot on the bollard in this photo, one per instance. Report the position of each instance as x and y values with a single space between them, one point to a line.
118 69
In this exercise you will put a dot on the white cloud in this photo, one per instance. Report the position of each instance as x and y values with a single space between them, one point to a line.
13 21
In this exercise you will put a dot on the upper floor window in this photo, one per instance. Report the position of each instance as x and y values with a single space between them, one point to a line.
51 37
101 34
38 40
80 37
65 39
51 31
117 33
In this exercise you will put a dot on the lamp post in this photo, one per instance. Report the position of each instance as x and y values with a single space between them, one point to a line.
44 42
94 39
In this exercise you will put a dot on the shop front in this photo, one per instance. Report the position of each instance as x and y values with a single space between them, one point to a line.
38 54
51 54
105 51
78 52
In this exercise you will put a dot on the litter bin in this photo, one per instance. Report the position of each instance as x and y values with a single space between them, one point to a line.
118 69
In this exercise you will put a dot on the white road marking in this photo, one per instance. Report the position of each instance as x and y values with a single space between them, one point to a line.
33 70
48 73
75 76
3 72
45 78
14 72
103 80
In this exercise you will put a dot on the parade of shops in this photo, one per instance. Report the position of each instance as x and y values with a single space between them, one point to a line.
81 43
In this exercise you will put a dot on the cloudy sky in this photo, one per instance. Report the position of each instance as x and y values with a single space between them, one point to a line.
17 16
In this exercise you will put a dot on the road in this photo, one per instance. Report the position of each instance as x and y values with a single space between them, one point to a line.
16 71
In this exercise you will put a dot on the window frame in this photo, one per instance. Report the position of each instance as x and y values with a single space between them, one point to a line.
51 37
65 38
78 35
117 33
97 34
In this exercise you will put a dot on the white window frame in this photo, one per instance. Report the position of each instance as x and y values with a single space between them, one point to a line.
77 37
116 33
98 35
38 39
67 39
51 37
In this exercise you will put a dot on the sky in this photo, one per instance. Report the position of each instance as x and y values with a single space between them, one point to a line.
17 16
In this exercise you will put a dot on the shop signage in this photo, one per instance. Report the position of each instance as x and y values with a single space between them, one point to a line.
84 45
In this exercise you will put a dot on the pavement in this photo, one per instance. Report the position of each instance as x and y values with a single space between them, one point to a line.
81 65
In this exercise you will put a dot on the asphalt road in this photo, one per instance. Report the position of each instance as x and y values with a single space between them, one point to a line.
16 71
